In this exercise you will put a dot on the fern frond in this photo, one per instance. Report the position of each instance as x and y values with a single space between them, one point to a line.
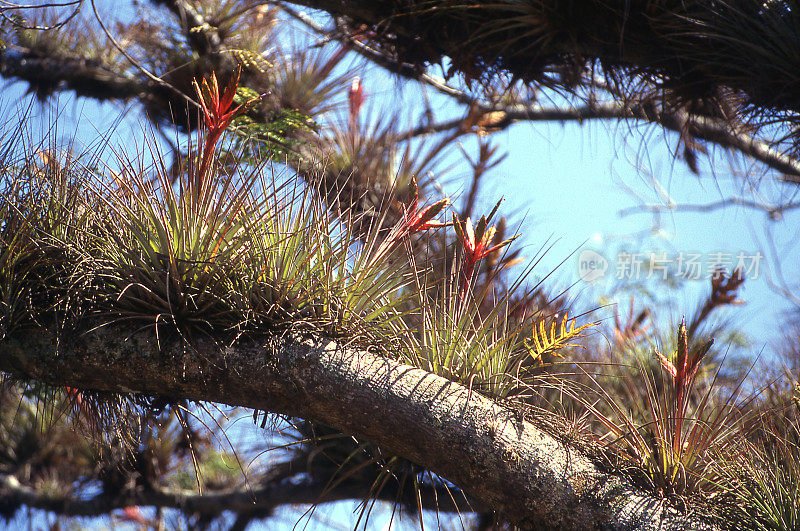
544 341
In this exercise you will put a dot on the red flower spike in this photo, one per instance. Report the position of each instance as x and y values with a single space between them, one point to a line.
476 246
685 366
412 222
218 113
415 220
413 190
682 356
356 99
423 220
475 242
682 372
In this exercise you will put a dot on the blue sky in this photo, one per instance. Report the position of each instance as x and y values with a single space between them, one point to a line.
592 197
572 181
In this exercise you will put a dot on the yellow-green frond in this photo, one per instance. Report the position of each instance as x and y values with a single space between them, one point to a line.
559 335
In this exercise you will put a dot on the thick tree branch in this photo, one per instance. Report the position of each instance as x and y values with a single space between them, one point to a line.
504 462
86 77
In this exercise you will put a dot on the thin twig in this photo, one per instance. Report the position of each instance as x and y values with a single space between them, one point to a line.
136 64
775 212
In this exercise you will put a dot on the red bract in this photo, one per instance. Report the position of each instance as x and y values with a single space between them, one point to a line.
415 220
356 99
217 110
218 113
477 245
412 222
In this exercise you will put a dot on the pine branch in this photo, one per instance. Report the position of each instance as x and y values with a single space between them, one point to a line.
700 128
201 34
638 66
263 499
86 77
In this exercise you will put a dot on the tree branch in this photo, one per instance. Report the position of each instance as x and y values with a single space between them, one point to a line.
504 462
700 127
263 499
411 21
775 212
200 33
87 78
93 80
535 40
377 57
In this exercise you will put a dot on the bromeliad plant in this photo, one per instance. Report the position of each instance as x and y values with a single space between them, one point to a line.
494 352
765 476
242 253
495 349
45 211
666 428
209 250
166 254
304 268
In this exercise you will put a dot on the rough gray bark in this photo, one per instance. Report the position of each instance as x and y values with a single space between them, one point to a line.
504 462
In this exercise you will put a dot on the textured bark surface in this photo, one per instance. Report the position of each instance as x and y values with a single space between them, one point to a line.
504 462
